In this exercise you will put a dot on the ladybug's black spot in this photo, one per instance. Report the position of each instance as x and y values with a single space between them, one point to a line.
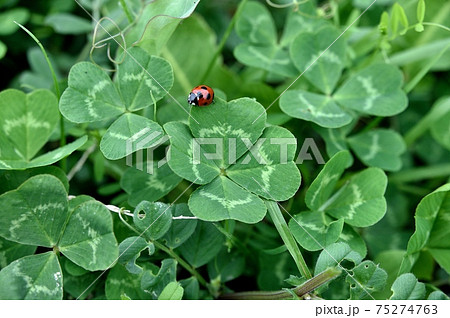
204 87
205 103
199 95
208 96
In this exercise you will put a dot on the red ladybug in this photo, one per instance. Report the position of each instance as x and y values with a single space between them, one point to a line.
201 96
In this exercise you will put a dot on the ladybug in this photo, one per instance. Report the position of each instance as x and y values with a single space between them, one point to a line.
201 96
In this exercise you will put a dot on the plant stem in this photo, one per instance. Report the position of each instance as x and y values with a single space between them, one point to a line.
300 291
425 123
288 239
417 174
418 77
126 10
182 262
374 123
62 142
223 41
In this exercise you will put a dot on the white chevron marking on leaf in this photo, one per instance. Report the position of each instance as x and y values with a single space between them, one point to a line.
223 130
374 148
27 120
227 204
372 92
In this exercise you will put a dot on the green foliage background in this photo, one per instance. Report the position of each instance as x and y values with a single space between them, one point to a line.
365 216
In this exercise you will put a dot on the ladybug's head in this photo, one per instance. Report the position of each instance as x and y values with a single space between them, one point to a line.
193 99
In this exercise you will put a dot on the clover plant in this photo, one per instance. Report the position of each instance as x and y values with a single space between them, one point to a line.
320 170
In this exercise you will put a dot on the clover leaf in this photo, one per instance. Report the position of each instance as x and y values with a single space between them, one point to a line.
375 90
38 213
227 149
379 147
321 63
27 122
256 27
432 227
157 22
359 202
141 80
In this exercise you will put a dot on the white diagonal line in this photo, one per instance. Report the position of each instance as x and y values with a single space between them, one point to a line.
317 242
140 235
132 57
346 29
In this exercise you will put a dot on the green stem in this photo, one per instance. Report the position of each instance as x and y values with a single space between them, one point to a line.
57 91
425 123
126 10
417 174
300 291
437 25
182 262
223 41
288 239
418 77
374 123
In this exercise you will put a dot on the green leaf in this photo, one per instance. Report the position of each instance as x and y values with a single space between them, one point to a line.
32 277
353 239
91 95
267 175
420 10
172 291
10 251
255 24
130 249
380 148
66 23
181 229
153 219
226 266
375 90
305 19
191 288
88 239
142 78
439 128
128 134
361 200
153 282
203 245
52 156
313 231
336 139
3 49
432 230
406 287
120 282
145 186
333 254
7 18
223 199
322 187
12 179
287 237
157 22
317 108
367 278
181 153
398 17
35 213
274 59
26 121
229 122
438 295
320 57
